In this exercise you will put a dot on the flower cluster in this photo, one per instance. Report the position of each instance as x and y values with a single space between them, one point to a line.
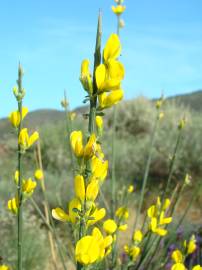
119 8
135 249
179 257
157 216
108 75
25 187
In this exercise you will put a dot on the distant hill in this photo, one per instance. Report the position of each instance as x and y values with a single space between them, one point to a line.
33 120
191 100
50 116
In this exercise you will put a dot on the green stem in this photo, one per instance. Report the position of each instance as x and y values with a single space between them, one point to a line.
171 169
93 104
113 182
19 186
114 120
146 172
97 61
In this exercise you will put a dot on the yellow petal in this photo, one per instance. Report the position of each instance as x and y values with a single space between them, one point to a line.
97 216
177 256
111 99
87 250
178 266
79 187
60 214
28 186
123 227
110 226
100 75
92 190
99 122
74 204
90 147
119 9
86 78
137 236
112 48
24 112
76 139
38 174
197 267
33 138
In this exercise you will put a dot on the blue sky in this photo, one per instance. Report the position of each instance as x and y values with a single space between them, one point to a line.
162 47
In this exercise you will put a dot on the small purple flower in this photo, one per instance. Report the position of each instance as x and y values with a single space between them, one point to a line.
180 233
171 248
168 266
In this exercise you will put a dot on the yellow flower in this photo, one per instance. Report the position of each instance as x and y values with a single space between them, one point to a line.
122 213
130 189
118 10
38 174
86 78
90 147
156 213
164 220
28 186
137 236
108 100
152 211
92 190
96 216
16 177
25 140
13 205
15 118
104 242
4 267
60 214
177 256
99 168
112 48
178 266
191 246
182 123
79 187
133 251
155 229
72 216
92 248
123 227
109 76
87 250
76 139
197 267
110 226
99 122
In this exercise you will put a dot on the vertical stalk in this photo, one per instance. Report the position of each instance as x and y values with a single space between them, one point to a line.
19 186
93 104
97 60
171 168
146 172
114 120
